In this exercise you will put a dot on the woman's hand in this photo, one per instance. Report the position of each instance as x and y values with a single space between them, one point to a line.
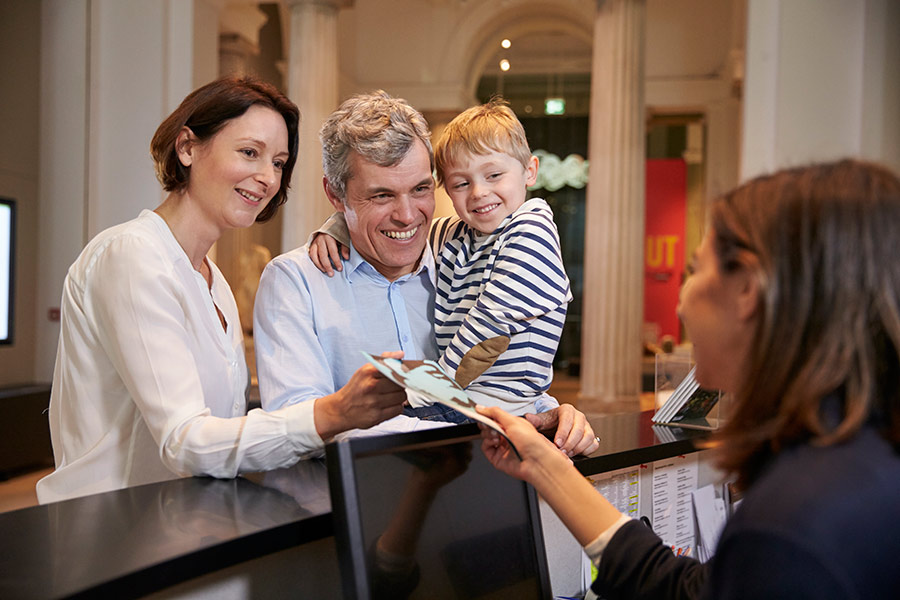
326 253
537 452
584 512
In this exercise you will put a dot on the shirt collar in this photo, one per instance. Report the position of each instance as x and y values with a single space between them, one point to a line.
358 263
532 204
176 252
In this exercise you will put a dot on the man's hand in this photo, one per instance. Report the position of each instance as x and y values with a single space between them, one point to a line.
368 399
571 432
326 253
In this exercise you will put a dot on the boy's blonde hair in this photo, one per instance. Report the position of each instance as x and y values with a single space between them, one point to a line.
491 127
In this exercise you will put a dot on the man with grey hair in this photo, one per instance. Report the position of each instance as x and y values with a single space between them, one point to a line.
309 328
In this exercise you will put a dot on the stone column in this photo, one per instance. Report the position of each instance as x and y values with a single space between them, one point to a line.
313 85
437 121
614 240
239 27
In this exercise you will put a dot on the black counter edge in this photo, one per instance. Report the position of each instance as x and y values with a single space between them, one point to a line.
211 559
629 458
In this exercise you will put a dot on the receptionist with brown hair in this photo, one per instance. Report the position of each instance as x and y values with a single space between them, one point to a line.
793 305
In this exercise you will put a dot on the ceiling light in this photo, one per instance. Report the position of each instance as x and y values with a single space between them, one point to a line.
504 65
505 43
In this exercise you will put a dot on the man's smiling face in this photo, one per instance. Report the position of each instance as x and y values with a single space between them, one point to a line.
389 209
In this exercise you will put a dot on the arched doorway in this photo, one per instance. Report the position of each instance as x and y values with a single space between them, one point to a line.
543 71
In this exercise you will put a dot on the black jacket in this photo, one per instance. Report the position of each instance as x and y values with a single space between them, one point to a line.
819 523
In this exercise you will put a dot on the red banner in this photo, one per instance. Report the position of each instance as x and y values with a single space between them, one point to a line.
664 243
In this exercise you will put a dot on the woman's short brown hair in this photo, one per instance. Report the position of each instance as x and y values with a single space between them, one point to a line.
821 241
205 111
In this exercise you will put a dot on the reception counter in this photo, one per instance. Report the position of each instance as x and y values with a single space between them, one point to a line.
260 535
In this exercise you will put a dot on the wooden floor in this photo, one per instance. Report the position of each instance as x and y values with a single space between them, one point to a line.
567 390
18 492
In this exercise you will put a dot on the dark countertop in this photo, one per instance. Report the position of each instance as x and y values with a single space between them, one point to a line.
22 389
131 542
628 439
24 433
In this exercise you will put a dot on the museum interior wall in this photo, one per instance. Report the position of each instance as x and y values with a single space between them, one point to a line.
19 103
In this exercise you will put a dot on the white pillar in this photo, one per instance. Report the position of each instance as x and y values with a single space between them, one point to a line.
313 85
110 72
613 278
239 27
239 37
808 98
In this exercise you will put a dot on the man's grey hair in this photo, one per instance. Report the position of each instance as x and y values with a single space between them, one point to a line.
380 128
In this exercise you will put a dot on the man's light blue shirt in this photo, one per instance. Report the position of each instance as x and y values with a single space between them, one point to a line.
308 328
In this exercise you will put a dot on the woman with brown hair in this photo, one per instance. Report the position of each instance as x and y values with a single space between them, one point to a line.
793 305
151 381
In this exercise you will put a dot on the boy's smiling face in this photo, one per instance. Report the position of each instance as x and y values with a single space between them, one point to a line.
487 188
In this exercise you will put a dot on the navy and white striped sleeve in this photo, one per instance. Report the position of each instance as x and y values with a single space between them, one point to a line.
444 229
527 282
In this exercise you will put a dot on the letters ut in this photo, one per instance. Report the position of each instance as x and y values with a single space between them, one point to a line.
659 246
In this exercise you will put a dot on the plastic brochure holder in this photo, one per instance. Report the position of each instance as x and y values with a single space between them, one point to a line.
690 406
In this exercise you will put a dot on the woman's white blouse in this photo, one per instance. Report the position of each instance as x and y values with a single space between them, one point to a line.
148 385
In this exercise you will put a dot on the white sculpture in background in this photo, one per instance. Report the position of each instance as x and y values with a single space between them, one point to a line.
252 264
554 173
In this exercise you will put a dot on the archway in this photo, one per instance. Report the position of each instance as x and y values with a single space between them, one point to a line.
546 50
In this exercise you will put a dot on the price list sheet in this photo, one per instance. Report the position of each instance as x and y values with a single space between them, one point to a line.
672 519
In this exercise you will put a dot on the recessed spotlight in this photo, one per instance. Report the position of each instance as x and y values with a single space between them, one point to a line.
505 43
504 65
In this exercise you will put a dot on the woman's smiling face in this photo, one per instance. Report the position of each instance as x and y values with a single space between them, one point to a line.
234 175
719 312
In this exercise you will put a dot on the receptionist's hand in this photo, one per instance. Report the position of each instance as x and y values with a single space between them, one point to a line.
584 511
538 454
571 432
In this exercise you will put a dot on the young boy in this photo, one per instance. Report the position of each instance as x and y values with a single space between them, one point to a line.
501 288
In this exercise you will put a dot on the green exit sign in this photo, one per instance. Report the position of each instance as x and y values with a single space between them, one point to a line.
555 106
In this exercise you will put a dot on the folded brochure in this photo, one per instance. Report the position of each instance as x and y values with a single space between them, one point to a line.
687 403
426 377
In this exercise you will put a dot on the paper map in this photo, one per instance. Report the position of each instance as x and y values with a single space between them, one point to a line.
428 379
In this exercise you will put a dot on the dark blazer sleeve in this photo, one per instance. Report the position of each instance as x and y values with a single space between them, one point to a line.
636 565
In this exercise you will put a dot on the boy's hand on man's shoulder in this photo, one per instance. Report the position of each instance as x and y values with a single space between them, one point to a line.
326 253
